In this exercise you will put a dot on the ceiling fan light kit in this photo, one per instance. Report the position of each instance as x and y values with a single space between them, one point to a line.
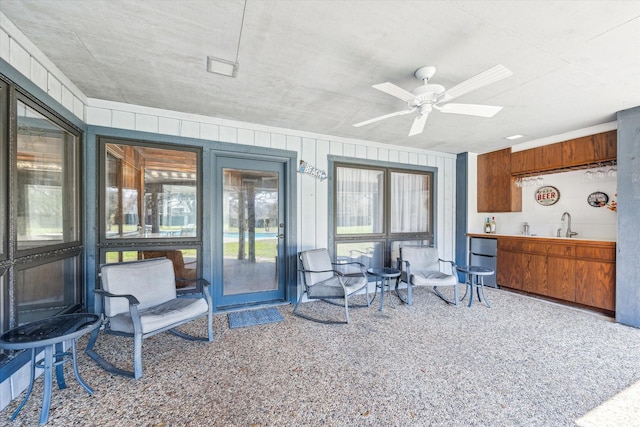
430 96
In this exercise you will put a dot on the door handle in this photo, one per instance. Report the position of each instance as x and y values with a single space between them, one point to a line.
280 236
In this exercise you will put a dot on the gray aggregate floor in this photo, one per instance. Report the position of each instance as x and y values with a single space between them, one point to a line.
523 362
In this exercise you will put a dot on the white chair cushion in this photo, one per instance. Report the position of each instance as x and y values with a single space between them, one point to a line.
432 278
421 258
151 282
316 260
174 311
331 287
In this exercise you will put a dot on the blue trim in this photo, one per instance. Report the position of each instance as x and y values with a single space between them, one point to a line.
462 217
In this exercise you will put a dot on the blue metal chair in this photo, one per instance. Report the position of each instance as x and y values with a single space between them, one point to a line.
421 266
139 300
322 280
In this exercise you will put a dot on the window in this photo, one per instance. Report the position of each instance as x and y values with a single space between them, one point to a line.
4 164
40 199
150 192
151 205
377 209
47 193
46 289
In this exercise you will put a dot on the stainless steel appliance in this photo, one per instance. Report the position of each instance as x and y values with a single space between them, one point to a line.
483 252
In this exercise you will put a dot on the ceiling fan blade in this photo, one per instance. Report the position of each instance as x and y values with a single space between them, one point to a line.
418 124
396 91
470 109
386 116
485 78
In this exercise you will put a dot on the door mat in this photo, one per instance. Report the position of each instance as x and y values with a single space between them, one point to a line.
242 319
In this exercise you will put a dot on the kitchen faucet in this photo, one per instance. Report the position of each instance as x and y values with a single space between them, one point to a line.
569 233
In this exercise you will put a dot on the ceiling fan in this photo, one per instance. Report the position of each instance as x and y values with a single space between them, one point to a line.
428 97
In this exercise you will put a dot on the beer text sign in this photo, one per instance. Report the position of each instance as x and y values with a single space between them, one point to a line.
547 195
307 169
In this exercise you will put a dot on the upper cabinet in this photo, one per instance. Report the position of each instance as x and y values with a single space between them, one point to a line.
587 150
548 157
497 170
496 189
523 162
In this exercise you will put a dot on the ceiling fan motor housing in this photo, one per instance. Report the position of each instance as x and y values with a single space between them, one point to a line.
427 93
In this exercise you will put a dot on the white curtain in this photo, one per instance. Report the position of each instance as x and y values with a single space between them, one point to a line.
359 201
409 203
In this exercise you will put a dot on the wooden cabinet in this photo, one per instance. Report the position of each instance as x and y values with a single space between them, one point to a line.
595 277
497 170
523 162
548 269
576 271
592 149
508 269
561 278
496 189
548 157
601 147
578 151
605 146
534 273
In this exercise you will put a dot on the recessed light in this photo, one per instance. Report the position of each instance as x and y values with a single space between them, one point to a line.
222 66
514 136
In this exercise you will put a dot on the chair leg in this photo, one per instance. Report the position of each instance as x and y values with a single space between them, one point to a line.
456 294
137 356
346 307
210 325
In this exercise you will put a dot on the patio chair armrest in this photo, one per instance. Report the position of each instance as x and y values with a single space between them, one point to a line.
198 280
132 300
405 269
404 265
363 269
453 264
206 294
347 263
339 273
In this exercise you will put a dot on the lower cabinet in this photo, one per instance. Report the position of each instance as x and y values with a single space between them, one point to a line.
509 264
575 271
596 278
534 273
561 278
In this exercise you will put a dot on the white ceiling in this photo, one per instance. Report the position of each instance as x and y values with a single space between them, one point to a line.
309 65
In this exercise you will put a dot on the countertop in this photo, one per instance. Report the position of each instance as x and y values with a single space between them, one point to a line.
567 239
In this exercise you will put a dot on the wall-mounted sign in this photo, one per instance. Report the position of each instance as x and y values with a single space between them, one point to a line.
307 169
547 195
597 199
